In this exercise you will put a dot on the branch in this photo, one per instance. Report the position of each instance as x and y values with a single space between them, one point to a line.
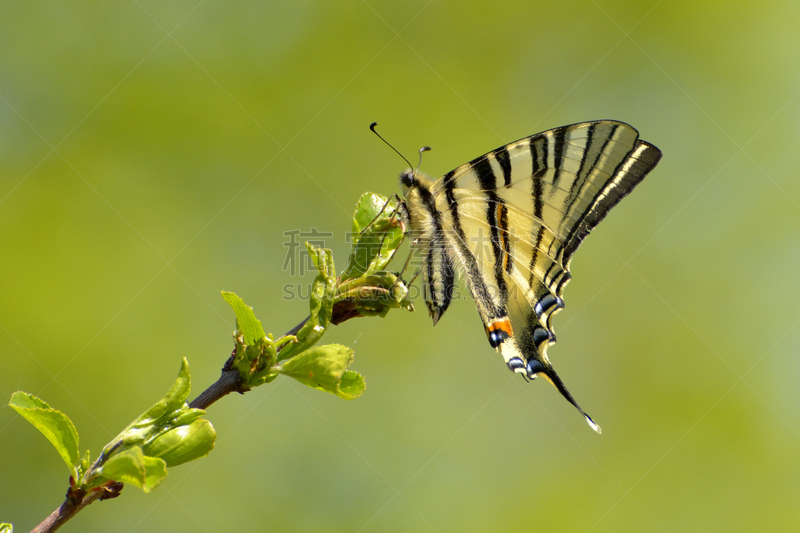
60 516
76 500
365 288
229 381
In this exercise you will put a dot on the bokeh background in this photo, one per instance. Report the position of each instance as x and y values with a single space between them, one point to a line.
153 154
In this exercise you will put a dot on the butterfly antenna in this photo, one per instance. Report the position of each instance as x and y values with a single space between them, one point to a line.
372 127
421 150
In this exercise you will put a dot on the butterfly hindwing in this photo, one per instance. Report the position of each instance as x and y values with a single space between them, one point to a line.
517 317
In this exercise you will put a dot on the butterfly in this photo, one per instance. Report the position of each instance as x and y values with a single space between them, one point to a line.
511 221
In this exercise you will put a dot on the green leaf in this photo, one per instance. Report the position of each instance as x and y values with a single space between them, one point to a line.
53 424
170 428
153 421
373 295
379 233
86 462
180 390
246 321
323 260
321 303
134 467
352 385
325 368
367 208
173 401
183 443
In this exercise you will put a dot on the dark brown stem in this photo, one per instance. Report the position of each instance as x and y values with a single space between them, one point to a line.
67 510
76 500
228 382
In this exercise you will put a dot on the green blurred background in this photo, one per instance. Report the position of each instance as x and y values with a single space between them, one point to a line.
153 154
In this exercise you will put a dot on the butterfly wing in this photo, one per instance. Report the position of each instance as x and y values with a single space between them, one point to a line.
568 178
513 218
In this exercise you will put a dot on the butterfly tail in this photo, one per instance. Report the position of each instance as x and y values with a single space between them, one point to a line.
550 374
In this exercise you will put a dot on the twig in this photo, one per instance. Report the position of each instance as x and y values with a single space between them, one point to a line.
229 381
76 500
67 510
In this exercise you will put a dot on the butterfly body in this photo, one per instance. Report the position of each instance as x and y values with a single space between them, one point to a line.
511 221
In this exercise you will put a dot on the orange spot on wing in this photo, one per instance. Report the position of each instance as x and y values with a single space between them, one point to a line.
503 324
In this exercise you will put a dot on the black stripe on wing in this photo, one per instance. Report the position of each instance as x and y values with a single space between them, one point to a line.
586 165
480 292
627 175
502 157
440 273
496 211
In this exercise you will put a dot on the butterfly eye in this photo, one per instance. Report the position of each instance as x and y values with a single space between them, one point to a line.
534 367
407 179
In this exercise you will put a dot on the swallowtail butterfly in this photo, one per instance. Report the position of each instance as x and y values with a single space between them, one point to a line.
511 221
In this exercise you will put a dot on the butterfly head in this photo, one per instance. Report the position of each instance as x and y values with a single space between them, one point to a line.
407 180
